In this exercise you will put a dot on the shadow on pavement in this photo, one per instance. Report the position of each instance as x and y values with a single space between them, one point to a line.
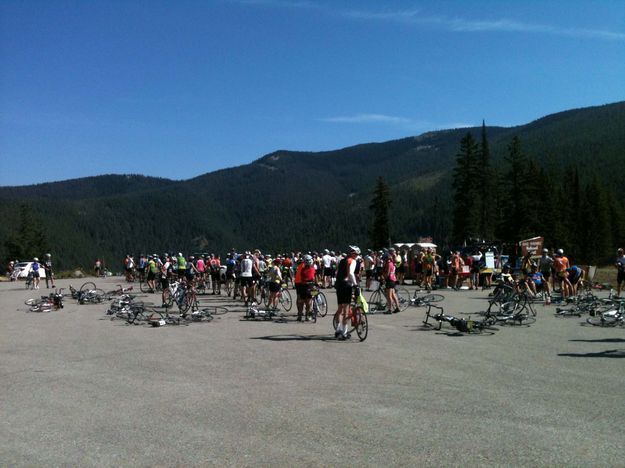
296 338
603 340
610 353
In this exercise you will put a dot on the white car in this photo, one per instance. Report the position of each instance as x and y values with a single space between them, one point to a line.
21 270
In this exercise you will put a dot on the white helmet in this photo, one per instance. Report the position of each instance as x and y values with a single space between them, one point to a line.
353 249
308 260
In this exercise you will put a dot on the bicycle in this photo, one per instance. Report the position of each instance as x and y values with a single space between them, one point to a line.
463 326
88 293
420 299
319 303
377 301
615 315
53 301
356 320
517 311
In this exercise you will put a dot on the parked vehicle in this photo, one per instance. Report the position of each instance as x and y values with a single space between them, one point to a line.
22 269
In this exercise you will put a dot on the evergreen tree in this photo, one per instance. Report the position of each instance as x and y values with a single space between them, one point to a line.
29 241
486 188
516 199
379 234
466 212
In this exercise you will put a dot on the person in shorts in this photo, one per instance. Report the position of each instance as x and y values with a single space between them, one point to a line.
390 278
304 280
345 283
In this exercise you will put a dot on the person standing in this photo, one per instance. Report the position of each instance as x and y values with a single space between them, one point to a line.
47 267
246 280
620 268
561 265
545 264
345 283
304 279
390 278
34 268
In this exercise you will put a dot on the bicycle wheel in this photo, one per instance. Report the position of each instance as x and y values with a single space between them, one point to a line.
144 287
32 301
606 319
432 298
88 286
377 303
322 304
403 297
41 307
361 323
285 300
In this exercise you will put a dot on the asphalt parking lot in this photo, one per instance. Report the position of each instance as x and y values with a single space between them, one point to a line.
78 389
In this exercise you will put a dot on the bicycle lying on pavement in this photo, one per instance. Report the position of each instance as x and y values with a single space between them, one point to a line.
462 325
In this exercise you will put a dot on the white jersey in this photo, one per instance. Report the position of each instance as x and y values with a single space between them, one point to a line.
246 268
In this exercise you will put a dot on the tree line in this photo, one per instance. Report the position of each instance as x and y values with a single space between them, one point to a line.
572 209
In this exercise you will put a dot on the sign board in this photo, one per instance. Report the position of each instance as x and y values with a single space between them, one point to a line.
533 246
490 260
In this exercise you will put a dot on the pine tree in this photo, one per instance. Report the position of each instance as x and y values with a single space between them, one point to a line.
466 213
516 201
29 240
486 189
380 231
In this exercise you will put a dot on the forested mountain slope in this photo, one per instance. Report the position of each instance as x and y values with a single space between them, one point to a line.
287 200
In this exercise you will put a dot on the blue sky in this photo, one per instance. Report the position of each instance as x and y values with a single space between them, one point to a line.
180 88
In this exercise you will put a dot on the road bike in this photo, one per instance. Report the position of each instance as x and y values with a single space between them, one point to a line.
420 299
319 303
356 321
460 324
378 303
53 301
613 316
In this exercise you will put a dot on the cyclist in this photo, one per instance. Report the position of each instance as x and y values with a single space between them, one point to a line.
536 280
390 267
181 264
561 265
167 270
545 264
574 274
620 268
152 271
456 268
191 270
327 268
429 264
304 279
230 264
129 265
274 282
215 269
246 279
47 267
34 269
345 282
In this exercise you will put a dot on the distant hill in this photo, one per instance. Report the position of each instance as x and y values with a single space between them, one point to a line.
290 200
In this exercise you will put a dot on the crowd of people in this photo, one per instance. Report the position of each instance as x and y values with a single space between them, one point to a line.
343 271
346 270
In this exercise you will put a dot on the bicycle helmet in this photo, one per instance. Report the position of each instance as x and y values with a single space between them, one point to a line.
560 252
308 260
353 249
